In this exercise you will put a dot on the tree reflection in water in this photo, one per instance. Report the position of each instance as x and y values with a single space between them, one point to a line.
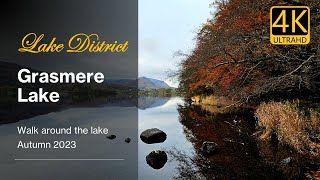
237 157
189 167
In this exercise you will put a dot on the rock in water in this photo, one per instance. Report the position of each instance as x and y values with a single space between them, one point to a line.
154 135
111 137
127 140
287 161
209 147
157 159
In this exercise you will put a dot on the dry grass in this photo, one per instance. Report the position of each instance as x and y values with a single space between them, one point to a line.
216 101
216 104
290 125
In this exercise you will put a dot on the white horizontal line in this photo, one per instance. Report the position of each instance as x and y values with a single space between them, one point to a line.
68 159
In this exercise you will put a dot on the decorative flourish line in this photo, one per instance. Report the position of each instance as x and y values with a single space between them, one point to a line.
69 159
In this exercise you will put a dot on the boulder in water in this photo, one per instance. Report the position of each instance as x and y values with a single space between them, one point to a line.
154 135
157 159
127 140
287 161
111 136
209 147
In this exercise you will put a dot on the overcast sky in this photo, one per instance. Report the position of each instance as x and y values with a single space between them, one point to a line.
164 27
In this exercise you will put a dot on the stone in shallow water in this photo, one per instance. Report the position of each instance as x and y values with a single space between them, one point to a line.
157 159
287 161
154 135
209 147
111 136
127 140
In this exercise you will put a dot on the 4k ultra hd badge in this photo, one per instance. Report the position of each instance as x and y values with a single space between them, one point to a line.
290 25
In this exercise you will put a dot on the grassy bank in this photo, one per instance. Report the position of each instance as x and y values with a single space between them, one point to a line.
291 126
285 122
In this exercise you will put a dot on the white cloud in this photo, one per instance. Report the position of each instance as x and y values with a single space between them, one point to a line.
165 27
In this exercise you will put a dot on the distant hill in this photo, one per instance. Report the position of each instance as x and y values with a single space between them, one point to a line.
8 76
150 83
122 83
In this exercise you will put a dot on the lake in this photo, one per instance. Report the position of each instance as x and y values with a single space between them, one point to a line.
239 155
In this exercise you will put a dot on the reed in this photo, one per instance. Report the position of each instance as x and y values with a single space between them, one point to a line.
291 126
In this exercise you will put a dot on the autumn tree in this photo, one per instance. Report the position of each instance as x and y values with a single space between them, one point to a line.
234 57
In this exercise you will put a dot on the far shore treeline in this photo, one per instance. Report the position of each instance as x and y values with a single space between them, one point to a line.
159 92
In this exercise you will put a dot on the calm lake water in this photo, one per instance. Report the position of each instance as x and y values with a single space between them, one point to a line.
239 155
163 116
187 127
121 121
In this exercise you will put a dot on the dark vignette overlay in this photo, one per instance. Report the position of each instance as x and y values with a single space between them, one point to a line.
111 104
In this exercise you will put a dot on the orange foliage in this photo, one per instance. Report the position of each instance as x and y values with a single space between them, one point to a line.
232 18
196 85
230 77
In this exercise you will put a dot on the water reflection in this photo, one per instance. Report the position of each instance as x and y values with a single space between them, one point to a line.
147 102
121 121
240 155
165 118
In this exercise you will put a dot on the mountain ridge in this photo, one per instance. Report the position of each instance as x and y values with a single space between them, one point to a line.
151 83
